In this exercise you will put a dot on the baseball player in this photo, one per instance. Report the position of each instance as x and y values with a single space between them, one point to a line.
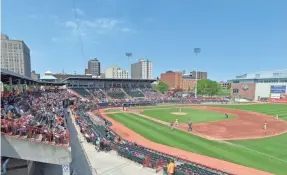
265 125
226 115
171 126
277 117
176 122
189 126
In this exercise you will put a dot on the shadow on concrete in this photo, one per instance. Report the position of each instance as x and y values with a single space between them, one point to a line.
79 162
47 169
7 149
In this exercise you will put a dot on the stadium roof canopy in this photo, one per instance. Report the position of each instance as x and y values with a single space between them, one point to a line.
5 74
264 75
107 79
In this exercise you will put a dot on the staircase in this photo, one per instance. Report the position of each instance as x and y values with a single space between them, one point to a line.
107 97
95 98
129 97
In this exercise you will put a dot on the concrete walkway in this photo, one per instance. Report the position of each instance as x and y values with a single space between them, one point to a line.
109 163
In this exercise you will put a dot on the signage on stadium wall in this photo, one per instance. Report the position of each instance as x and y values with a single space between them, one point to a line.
277 100
278 89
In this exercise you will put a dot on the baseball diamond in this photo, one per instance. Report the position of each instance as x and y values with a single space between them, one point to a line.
240 138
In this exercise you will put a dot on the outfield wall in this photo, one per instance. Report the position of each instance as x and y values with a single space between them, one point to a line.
264 90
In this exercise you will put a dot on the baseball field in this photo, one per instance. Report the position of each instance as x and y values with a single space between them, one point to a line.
240 139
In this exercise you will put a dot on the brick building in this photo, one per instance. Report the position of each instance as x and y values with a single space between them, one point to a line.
260 85
188 83
172 79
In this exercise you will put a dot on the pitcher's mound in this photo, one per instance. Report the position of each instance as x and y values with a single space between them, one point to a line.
178 113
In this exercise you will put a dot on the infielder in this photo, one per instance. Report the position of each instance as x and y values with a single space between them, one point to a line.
226 115
176 122
189 126
277 117
265 125
171 126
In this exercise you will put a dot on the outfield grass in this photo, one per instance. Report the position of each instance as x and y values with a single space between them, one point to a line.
270 109
161 134
161 106
195 115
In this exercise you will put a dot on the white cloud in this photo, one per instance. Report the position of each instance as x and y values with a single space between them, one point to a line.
126 29
71 24
79 12
96 27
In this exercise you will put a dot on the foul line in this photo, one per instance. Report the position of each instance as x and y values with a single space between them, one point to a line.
258 152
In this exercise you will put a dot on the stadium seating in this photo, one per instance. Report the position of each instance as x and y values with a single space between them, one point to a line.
116 93
112 97
37 115
81 91
135 93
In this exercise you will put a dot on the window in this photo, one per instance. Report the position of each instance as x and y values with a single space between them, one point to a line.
235 91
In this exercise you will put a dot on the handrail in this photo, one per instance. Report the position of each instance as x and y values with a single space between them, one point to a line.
14 128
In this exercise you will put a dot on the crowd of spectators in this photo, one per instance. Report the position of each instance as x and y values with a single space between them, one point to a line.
38 114
114 96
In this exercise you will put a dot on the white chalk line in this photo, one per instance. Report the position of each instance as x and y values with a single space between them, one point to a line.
258 152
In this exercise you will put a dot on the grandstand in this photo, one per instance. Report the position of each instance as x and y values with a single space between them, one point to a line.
27 125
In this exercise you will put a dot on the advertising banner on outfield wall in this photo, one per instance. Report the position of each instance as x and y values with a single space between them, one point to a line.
277 100
278 89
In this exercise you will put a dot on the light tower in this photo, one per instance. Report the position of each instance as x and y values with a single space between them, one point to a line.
196 51
129 55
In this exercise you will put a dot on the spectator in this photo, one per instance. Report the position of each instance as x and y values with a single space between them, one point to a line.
171 168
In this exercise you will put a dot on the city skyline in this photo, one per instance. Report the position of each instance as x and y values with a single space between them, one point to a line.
233 38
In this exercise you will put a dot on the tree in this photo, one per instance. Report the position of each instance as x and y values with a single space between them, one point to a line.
207 87
162 87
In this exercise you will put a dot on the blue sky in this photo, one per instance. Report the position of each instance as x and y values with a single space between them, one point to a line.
236 36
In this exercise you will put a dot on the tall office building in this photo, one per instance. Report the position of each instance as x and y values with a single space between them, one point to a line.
15 56
94 67
116 72
141 70
200 75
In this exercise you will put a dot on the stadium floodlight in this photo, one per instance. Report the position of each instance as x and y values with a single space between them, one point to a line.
129 55
196 51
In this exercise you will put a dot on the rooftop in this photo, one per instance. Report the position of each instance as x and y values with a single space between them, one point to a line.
264 75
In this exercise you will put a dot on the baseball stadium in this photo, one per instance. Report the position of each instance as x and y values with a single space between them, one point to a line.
128 120
203 135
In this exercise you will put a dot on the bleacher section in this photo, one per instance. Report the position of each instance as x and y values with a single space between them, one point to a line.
116 93
134 93
118 96
81 91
